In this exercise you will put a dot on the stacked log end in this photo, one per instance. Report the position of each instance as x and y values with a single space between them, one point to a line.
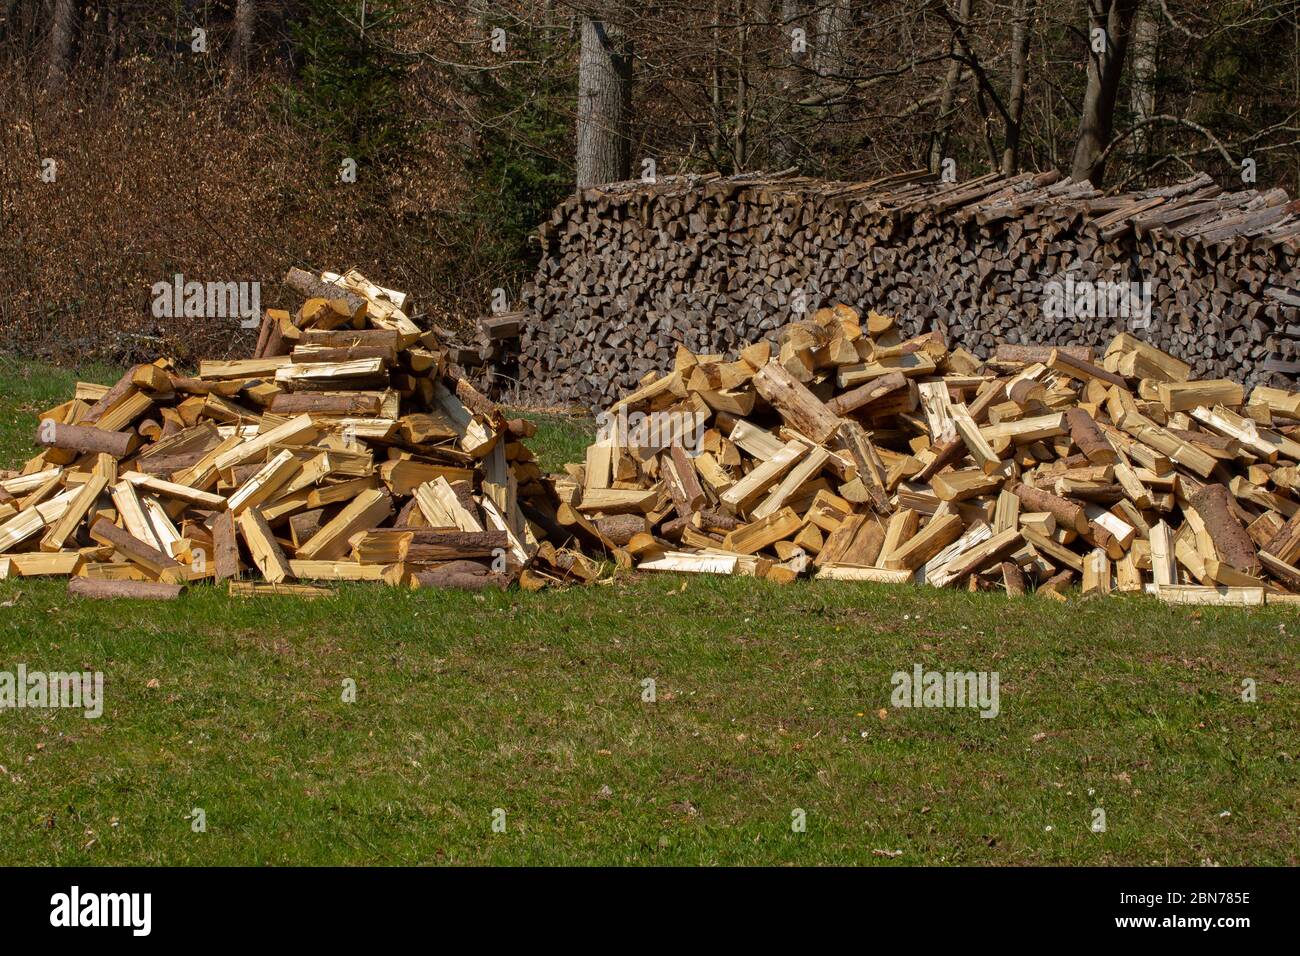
490 358
631 271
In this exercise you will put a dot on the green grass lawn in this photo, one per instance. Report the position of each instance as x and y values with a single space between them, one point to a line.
769 701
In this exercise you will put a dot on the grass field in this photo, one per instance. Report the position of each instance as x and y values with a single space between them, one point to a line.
768 701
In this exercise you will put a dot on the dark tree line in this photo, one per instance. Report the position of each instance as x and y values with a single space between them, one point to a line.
212 134
1130 89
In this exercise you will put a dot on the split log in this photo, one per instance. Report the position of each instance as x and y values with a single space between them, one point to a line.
1089 438
1215 506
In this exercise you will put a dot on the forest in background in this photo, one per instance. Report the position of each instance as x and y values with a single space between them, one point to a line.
422 141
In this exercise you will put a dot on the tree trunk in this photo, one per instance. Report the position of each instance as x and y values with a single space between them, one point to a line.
604 153
64 15
784 147
939 139
740 141
715 86
1115 17
245 31
1146 48
114 30
792 18
832 37
1020 36
830 60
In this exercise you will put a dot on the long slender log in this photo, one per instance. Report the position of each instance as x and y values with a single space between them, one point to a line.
85 440
100 589
866 394
459 577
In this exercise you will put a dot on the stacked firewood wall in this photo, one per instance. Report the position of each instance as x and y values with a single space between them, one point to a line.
632 270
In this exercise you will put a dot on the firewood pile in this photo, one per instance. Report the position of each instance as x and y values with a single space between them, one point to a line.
630 272
348 448
352 447
855 452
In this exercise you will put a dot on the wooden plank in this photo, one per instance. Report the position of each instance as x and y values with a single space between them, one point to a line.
977 446
1217 596
803 471
134 519
225 548
844 572
686 562
172 489
1096 573
296 431
940 532
33 564
980 555
263 485
442 509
